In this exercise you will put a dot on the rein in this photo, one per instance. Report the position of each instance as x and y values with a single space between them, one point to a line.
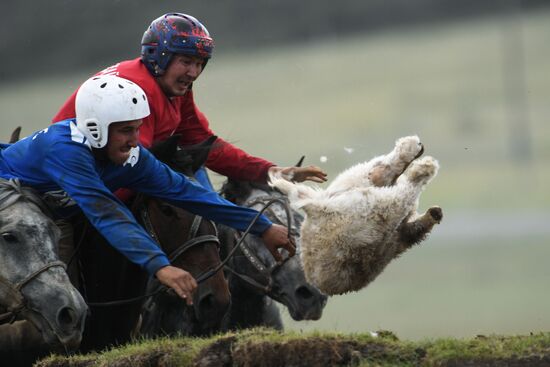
266 271
193 241
240 243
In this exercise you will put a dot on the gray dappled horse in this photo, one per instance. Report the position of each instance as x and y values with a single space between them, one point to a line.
255 278
33 283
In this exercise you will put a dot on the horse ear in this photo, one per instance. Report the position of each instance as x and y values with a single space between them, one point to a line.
165 150
299 164
199 152
235 191
15 135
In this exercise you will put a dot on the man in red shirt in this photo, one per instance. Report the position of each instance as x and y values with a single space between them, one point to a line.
175 50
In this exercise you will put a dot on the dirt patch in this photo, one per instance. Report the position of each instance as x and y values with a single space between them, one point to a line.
301 352
217 354
319 351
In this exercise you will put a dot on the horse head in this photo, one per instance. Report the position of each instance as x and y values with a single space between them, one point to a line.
191 243
186 160
33 282
256 269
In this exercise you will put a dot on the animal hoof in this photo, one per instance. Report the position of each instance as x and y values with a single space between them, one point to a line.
409 148
421 151
422 170
436 213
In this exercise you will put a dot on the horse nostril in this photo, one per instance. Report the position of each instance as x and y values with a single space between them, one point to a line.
67 317
303 292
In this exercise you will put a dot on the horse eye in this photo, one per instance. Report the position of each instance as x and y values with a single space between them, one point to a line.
9 237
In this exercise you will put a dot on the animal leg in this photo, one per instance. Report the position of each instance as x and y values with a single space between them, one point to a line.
297 194
420 172
391 166
413 232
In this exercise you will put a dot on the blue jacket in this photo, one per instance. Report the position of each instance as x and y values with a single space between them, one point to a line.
60 158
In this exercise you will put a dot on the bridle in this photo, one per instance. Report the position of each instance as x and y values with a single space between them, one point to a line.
191 242
14 291
267 271
10 192
192 238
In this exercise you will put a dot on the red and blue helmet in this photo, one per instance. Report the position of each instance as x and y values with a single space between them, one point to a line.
174 33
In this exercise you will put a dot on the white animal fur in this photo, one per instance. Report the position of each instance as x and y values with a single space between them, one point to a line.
365 218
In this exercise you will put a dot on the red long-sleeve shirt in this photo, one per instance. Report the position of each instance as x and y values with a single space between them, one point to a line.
179 115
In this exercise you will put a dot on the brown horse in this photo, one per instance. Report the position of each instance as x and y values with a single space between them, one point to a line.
190 243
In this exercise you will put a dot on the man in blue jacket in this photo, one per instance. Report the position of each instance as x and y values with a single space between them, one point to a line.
98 152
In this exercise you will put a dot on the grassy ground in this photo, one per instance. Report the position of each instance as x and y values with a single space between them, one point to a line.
268 348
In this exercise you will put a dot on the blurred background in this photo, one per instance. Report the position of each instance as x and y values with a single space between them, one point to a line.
339 82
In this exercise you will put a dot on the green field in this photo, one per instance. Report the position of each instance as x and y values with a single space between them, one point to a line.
443 82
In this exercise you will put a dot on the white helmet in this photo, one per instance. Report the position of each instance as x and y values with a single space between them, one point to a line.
105 99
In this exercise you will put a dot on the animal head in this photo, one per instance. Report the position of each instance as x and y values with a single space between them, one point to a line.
184 159
191 244
30 269
285 283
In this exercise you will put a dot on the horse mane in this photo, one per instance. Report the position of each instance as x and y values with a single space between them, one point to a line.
11 191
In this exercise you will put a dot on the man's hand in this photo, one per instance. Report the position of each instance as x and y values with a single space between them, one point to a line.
179 280
299 174
276 237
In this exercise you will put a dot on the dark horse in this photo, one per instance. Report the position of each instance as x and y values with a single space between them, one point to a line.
165 313
33 283
255 278
108 276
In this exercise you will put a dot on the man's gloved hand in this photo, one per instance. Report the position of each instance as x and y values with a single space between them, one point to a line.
299 174
276 237
179 280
